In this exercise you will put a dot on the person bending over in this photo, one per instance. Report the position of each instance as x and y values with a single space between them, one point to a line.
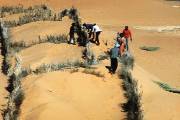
96 32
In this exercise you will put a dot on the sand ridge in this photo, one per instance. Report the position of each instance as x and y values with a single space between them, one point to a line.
57 90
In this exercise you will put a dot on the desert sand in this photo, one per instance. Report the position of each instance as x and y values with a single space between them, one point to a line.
76 96
62 95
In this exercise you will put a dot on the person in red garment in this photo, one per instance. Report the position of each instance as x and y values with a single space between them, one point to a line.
127 35
122 41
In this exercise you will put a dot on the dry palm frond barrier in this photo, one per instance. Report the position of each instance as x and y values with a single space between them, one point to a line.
44 68
9 10
93 72
31 14
103 57
56 39
15 75
5 45
166 87
133 105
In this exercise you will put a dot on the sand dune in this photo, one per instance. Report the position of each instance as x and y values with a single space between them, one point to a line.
49 53
31 32
157 103
158 28
76 96
163 63
118 12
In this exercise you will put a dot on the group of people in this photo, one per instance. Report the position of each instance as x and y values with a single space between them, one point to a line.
120 47
92 34
93 31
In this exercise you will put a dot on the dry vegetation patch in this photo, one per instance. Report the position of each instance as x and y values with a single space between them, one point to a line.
147 48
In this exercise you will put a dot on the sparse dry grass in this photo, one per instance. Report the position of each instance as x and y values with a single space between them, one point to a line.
93 72
31 14
127 61
146 48
103 57
4 10
74 70
167 87
58 39
56 67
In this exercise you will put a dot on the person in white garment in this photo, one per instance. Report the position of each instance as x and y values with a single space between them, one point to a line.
96 32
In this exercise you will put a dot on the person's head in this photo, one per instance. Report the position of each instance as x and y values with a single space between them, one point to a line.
73 24
121 35
117 45
84 24
126 27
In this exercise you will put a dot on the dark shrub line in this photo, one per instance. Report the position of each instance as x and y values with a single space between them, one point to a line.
133 105
14 87
4 47
9 10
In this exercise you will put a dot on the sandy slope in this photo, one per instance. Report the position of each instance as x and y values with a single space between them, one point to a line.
110 15
31 32
157 103
49 53
71 96
143 12
163 63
